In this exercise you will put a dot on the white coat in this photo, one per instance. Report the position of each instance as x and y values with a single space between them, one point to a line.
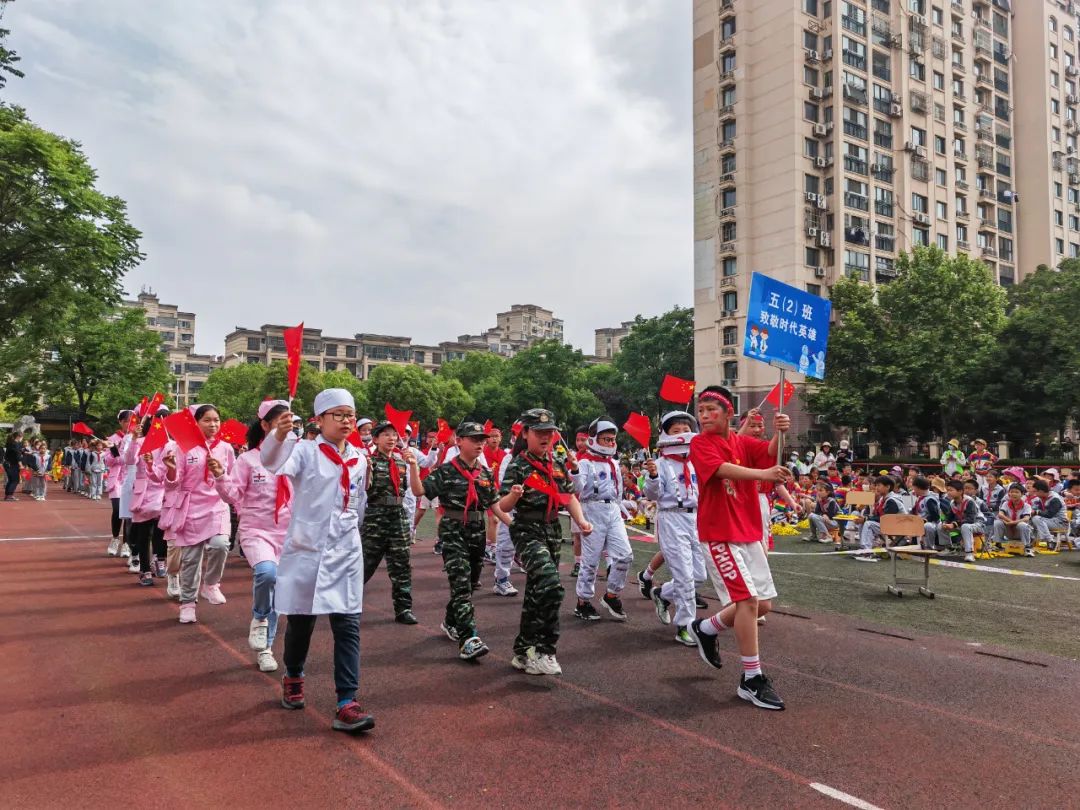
322 564
127 489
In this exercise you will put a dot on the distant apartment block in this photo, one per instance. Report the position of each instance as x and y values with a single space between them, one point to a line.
607 340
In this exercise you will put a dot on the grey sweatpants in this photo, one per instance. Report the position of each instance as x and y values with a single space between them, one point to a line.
216 552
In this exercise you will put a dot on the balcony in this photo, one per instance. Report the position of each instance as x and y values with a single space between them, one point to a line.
883 140
960 126
1003 140
883 208
882 72
854 271
853 25
852 59
883 172
961 156
856 236
855 95
857 201
1004 169
853 164
885 243
984 133
983 79
855 130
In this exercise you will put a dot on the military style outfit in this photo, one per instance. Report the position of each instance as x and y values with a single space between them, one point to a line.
465 494
386 530
537 537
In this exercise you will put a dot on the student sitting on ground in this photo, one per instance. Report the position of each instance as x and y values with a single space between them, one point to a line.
1049 514
1014 519
959 516
823 519
986 515
928 508
888 503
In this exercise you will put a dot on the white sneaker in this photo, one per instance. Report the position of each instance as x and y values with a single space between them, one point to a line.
212 594
548 665
504 588
969 558
266 661
114 546
173 588
133 565
125 550
257 635
1029 552
866 558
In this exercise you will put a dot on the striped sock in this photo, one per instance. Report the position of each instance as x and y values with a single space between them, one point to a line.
751 666
712 625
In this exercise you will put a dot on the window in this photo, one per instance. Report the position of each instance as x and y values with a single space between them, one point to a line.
941 210
731 371
961 235
331 365
810 75
731 301
943 241
920 203
918 136
813 289
729 266
881 69
727 198
418 358
1052 22
727 96
810 7
939 144
1059 219
1053 51
812 257
254 344
330 350
810 147
727 28
920 236
809 41
811 183
727 132
350 351
917 70
938 81
1059 245
857 264
727 62
727 166
731 335
940 177
854 52
937 17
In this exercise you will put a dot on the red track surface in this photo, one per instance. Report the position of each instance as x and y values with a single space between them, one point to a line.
109 701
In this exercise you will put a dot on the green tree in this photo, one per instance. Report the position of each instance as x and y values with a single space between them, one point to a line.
308 384
608 385
8 58
410 388
100 350
551 375
474 368
236 390
60 238
348 381
655 347
906 362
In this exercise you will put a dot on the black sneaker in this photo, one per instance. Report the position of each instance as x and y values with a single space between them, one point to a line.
406 617
586 611
700 603
437 549
758 690
707 646
575 570
644 585
614 607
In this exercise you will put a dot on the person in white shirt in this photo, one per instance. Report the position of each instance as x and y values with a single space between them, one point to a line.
824 458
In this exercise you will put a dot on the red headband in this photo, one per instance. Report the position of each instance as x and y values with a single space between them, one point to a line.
717 397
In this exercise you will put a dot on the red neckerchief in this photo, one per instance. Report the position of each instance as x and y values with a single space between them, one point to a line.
471 498
549 471
1013 513
959 513
918 504
333 455
611 465
395 473
879 506
281 496
684 476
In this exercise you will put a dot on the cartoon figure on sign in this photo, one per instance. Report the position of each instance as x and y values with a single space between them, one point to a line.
753 339
804 361
764 340
819 364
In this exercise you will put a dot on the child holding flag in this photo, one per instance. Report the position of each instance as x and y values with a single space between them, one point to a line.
322 564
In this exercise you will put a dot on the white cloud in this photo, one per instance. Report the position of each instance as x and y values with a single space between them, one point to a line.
404 168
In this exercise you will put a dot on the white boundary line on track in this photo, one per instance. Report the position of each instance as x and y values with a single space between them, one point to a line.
58 537
840 796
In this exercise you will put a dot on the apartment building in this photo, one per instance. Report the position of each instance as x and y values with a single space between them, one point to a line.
1048 167
829 135
176 329
608 339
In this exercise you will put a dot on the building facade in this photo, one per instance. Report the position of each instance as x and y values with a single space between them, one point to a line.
176 329
830 135
608 339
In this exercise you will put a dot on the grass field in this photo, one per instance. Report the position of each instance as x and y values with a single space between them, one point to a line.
1019 612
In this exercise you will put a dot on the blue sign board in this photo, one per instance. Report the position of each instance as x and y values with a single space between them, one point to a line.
787 327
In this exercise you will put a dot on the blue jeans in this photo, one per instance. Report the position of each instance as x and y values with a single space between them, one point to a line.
264 578
346 630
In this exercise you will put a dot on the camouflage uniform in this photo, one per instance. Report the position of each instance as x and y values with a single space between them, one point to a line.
386 530
537 537
463 535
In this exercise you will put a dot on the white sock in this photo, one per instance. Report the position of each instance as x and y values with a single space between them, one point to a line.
751 665
647 574
712 625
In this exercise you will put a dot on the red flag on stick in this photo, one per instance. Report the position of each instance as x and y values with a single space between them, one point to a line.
83 428
184 430
234 432
399 419
445 432
774 396
152 408
355 440
488 425
140 412
156 437
294 342
676 389
640 428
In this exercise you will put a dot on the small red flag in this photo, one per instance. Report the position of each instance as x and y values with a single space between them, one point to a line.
355 440
515 429
488 425
445 431
234 432
774 396
294 342
83 428
156 437
151 408
676 389
415 429
184 430
141 410
640 428
133 421
399 419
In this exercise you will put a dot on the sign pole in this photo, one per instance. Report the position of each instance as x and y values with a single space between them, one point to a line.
780 410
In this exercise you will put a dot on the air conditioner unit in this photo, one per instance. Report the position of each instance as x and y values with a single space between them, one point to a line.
727 351
896 109
1074 179
821 162
812 232
1072 70
811 197
920 151
920 218
820 272
812 55
821 130
896 40
822 202
824 239
827 54
815 92
727 313
910 146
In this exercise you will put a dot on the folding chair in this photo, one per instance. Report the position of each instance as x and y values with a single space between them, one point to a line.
858 498
910 526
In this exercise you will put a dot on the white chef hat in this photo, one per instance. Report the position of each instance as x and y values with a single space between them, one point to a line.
195 407
333 398
364 421
269 404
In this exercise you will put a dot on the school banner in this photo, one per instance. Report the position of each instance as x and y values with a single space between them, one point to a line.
787 327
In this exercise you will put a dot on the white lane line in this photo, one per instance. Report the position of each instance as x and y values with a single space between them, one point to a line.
60 537
840 796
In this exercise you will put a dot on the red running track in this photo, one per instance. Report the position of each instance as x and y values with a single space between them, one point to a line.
109 701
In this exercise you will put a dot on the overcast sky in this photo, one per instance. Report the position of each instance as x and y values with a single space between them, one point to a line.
405 167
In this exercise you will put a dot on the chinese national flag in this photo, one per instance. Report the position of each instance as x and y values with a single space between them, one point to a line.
355 440
138 413
415 429
234 432
399 419
155 437
675 389
184 430
445 431
151 408
639 427
83 428
774 396
294 341
488 425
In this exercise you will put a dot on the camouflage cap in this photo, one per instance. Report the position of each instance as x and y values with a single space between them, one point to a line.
538 419
471 430
379 428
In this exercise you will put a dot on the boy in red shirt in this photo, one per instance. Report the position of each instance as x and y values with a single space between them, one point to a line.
729 523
